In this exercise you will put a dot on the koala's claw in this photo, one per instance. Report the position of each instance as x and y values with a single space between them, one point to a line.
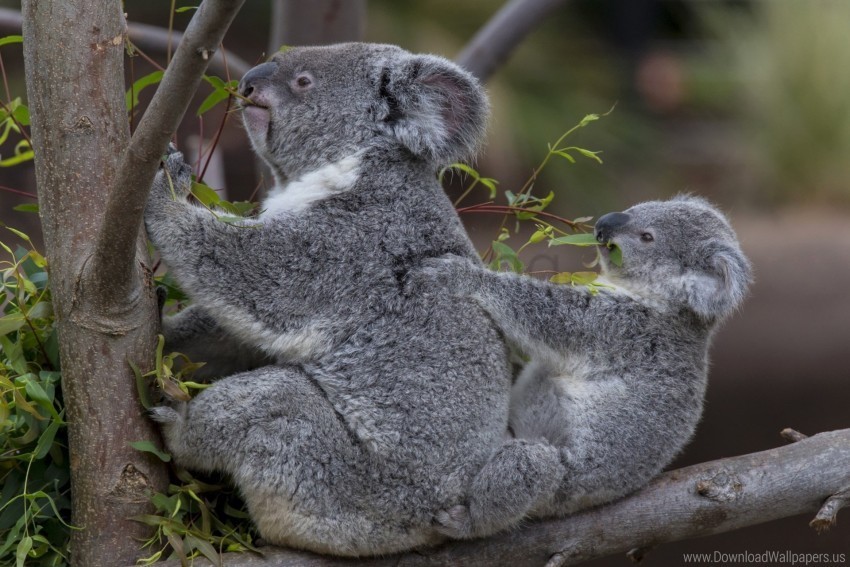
164 415
174 172
455 522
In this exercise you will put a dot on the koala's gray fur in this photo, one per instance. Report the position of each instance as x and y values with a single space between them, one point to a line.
617 379
382 406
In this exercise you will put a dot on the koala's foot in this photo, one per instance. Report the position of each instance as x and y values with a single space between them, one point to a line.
521 475
172 422
456 522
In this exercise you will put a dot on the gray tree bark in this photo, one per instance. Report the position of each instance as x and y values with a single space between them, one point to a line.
92 186
807 477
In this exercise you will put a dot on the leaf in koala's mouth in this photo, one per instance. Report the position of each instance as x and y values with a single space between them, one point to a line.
582 239
615 255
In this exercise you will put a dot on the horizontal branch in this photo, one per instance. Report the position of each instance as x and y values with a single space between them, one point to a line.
149 39
116 242
493 43
807 477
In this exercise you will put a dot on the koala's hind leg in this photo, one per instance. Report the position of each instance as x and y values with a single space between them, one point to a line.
518 476
301 472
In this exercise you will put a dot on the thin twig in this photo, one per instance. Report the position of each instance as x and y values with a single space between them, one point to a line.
18 192
217 137
5 79
507 209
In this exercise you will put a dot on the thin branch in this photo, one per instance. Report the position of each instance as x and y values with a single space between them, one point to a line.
147 37
18 192
507 209
495 42
116 242
710 498
827 516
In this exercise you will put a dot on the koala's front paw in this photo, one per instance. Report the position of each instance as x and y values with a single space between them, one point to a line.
174 178
455 522
164 414
172 421
443 274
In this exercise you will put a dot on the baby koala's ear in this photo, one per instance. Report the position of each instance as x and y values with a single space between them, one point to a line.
431 106
715 291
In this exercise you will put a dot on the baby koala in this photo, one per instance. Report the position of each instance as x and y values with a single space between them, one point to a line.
616 378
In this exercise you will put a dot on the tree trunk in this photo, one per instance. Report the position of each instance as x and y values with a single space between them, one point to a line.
73 55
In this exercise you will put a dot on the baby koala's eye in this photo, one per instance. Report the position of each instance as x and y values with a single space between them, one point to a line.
303 81
647 237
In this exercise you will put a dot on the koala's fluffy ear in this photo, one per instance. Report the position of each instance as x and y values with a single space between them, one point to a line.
432 107
719 288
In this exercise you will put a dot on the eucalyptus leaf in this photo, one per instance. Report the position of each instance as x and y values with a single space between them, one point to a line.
26 208
131 98
149 447
505 253
616 255
581 239
23 549
11 323
10 39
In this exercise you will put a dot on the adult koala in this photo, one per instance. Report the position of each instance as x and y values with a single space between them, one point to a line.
617 376
382 407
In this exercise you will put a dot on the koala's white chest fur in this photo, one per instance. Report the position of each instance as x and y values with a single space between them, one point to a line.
294 346
299 194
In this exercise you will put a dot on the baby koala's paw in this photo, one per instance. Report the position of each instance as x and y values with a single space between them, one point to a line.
455 522
442 274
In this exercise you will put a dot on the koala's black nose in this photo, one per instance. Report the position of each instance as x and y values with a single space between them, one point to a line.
608 224
257 75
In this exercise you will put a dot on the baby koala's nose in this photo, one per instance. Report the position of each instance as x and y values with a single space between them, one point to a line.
256 77
608 224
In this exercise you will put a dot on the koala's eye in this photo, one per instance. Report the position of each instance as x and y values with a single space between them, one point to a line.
647 237
303 81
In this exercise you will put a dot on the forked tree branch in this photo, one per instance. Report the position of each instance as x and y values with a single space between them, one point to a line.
115 248
493 43
807 477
